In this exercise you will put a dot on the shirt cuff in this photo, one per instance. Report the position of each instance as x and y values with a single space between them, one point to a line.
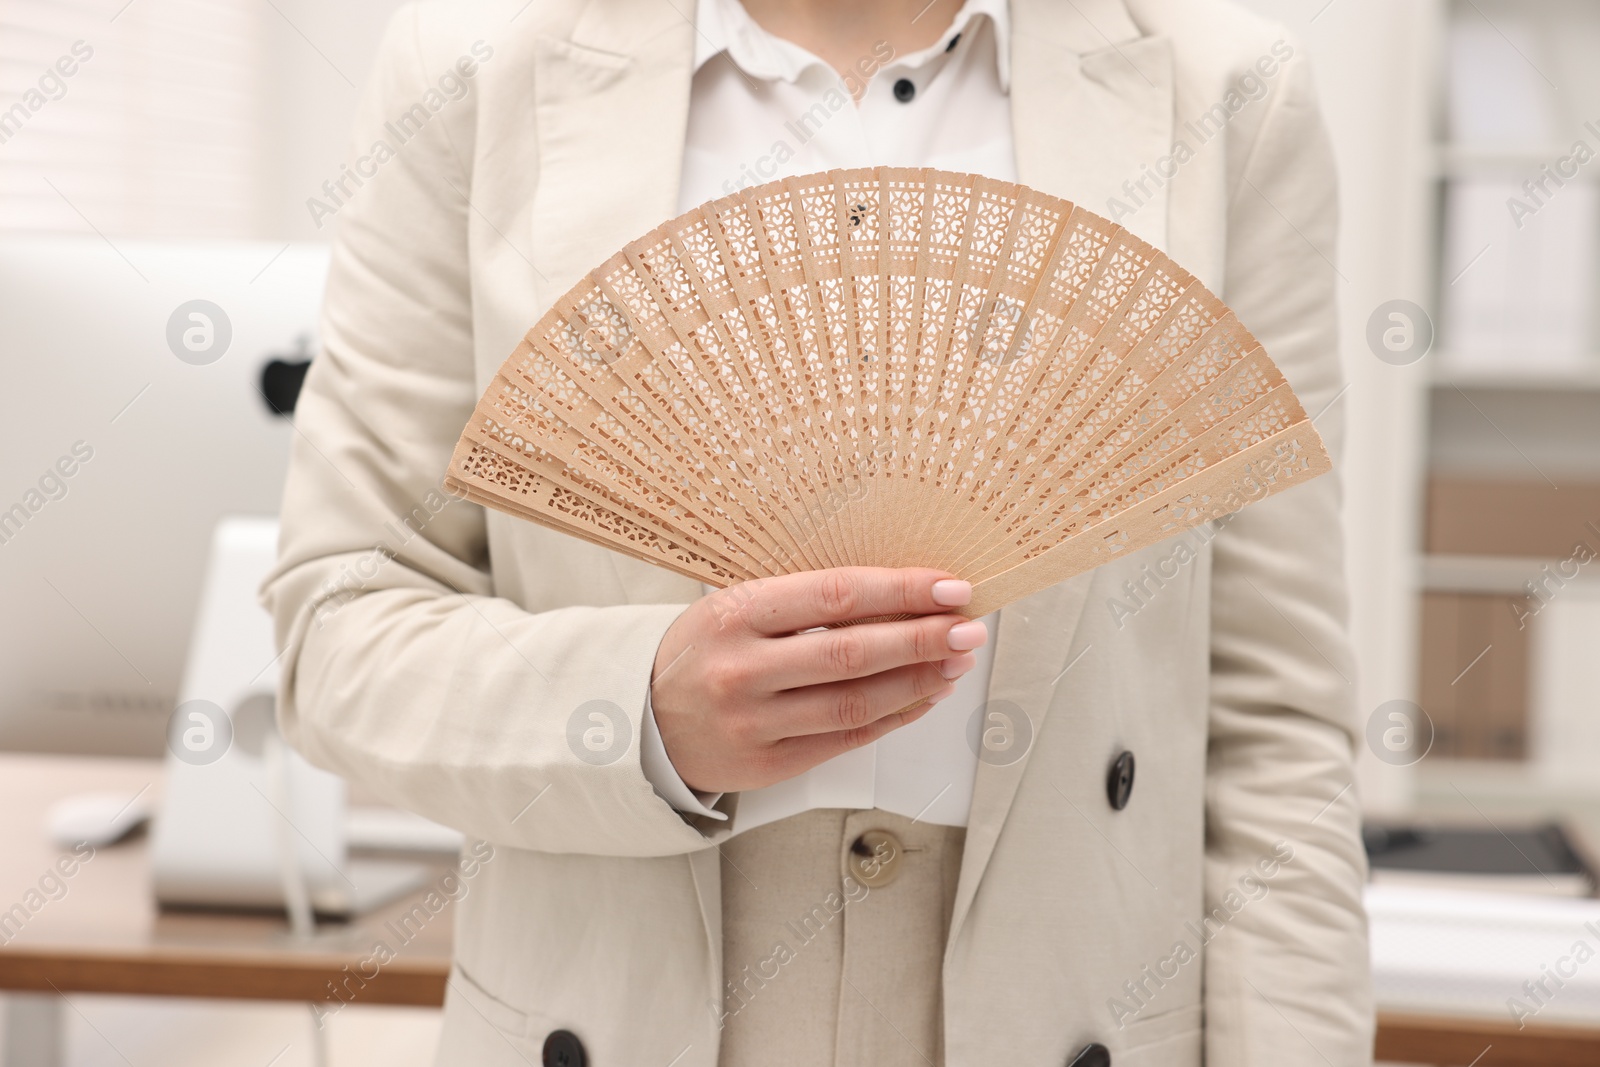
663 776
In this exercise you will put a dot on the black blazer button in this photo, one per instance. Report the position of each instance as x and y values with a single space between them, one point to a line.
1119 782
563 1049
1096 1055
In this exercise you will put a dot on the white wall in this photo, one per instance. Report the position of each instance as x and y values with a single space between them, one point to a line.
181 119
318 58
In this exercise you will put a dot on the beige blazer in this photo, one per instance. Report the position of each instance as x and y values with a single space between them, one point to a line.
439 655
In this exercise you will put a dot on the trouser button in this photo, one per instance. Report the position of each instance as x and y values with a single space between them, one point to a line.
876 858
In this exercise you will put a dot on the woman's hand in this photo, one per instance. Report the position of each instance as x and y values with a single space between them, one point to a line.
744 697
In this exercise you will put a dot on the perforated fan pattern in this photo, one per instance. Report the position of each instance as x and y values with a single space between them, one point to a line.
886 367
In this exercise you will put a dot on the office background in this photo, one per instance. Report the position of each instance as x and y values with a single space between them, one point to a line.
167 151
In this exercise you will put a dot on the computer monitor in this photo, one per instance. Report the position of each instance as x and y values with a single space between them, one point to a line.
132 419
245 821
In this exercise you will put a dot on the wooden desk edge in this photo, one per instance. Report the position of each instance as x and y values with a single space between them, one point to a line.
418 983
1432 1039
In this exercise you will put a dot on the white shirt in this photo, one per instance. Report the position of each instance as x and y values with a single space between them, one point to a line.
763 108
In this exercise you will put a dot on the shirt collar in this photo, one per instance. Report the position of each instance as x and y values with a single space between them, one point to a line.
725 26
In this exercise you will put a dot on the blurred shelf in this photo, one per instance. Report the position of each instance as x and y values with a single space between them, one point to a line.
1515 789
1525 378
1462 160
1495 575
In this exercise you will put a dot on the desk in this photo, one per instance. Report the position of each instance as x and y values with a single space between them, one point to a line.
105 935
1458 1041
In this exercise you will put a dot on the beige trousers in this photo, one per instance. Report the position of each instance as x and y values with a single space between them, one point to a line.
832 942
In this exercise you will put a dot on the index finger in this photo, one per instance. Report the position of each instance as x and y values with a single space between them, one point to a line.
789 603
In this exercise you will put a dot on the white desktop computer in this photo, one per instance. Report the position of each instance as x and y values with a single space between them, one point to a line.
132 419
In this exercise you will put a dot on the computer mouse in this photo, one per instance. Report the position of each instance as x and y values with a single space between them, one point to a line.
96 818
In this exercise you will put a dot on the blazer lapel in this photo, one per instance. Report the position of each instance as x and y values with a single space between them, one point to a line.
1092 110
1030 657
612 105
611 108
1091 115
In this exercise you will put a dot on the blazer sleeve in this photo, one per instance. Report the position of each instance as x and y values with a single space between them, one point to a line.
1287 983
401 668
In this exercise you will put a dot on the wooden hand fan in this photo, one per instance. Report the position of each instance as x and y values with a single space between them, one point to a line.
885 367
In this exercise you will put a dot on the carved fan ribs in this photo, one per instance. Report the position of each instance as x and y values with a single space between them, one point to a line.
885 367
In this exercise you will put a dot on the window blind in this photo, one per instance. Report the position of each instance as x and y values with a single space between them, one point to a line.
132 119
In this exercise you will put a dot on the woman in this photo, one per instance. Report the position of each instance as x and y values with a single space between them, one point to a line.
707 885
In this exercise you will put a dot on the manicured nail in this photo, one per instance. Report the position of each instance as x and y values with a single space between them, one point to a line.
952 593
941 694
956 666
968 635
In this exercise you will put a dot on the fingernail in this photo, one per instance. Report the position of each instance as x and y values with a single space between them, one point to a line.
952 593
967 635
941 694
956 666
